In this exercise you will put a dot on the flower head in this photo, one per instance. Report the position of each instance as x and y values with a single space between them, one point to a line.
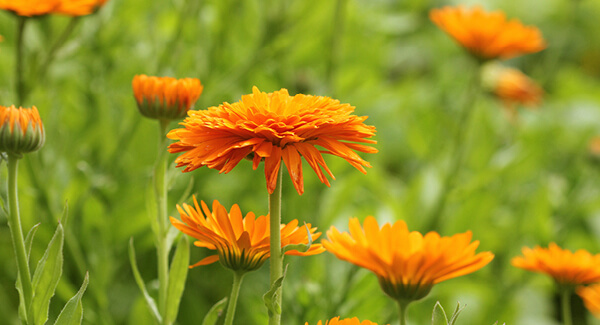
488 35
30 8
165 97
242 244
273 127
21 130
565 267
512 87
347 321
407 264
591 298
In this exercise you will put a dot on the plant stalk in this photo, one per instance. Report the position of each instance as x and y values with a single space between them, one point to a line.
160 187
276 259
235 291
402 307
19 65
565 301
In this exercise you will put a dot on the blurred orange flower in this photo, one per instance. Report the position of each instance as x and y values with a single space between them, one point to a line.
242 244
30 7
565 267
347 321
488 35
165 97
272 127
78 7
407 264
514 87
591 298
21 130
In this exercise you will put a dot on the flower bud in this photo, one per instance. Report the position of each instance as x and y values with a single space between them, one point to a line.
21 130
165 98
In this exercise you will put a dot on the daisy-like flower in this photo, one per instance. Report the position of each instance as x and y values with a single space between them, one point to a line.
565 267
591 298
242 244
488 35
30 8
347 321
407 264
21 130
165 97
273 127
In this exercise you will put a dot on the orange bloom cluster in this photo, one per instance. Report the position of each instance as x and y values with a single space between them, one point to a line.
407 264
43 7
591 298
21 130
488 35
347 321
273 127
165 97
514 87
242 243
565 267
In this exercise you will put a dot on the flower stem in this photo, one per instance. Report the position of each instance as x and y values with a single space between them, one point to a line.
235 291
276 259
14 223
402 306
19 76
62 39
565 301
160 188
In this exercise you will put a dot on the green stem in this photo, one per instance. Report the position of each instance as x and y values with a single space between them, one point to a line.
19 76
235 292
565 301
160 179
276 259
336 36
60 41
402 307
14 222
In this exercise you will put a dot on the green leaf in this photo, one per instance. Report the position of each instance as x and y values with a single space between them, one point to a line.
177 276
456 313
140 282
29 239
65 215
152 210
215 312
302 248
19 285
439 315
45 279
72 312
270 298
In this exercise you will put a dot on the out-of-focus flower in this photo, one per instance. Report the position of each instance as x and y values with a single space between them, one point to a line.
407 264
30 7
165 97
242 244
78 7
488 35
21 130
272 127
512 86
565 267
591 298
347 321
594 149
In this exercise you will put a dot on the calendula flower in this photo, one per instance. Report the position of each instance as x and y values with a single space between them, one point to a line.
347 321
407 264
165 97
30 7
21 130
273 127
565 267
591 298
513 87
242 244
78 7
488 35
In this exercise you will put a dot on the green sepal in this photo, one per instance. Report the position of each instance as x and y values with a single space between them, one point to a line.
140 282
72 312
177 276
215 312
270 298
302 248
46 277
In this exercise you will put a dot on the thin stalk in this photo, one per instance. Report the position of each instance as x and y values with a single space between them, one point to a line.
276 259
402 307
235 292
19 65
16 232
160 187
336 36
458 145
565 301
60 41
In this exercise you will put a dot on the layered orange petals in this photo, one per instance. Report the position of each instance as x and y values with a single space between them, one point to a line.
347 321
591 298
562 265
165 97
42 7
242 243
488 35
407 263
273 127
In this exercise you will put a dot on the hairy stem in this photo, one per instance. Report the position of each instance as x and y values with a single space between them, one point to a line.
276 259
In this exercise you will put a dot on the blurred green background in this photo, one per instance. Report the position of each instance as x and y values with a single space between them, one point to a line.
521 184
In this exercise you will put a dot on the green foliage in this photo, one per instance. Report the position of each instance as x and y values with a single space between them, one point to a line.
215 312
72 312
140 282
439 315
177 276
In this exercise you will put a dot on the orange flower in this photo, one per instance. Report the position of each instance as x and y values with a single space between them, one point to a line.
30 7
488 35
165 97
407 264
514 87
565 267
272 127
591 298
78 7
21 130
347 321
242 243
